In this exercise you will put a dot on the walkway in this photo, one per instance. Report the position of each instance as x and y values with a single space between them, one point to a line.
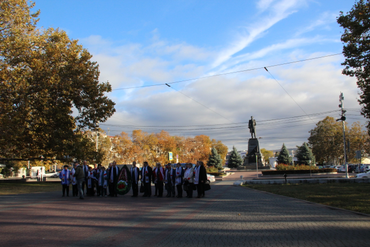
227 216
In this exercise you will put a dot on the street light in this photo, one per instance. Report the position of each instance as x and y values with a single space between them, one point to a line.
310 167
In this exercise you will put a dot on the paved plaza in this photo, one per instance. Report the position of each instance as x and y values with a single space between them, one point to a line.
227 216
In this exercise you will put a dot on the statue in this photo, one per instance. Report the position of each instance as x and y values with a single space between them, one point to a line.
253 158
252 127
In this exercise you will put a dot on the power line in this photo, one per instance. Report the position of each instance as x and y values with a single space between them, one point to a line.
241 125
227 73
286 92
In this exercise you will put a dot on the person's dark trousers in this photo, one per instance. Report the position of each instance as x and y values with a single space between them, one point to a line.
173 190
168 189
135 189
159 188
147 190
179 190
65 188
97 188
80 189
200 189
84 185
113 189
75 190
189 192
90 191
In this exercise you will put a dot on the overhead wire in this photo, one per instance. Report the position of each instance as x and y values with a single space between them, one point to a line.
286 92
227 73
288 121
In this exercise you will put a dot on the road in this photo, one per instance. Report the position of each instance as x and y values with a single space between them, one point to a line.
227 216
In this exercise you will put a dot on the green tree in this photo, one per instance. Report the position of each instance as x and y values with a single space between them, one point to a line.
326 140
214 159
304 155
283 157
44 75
356 49
234 160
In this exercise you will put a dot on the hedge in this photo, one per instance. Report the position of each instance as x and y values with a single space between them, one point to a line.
324 170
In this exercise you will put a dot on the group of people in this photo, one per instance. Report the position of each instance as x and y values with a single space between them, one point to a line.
86 180
173 180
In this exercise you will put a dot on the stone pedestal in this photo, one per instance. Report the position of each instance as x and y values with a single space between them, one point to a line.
254 155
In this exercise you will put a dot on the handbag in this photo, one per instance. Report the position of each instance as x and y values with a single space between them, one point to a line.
207 186
185 187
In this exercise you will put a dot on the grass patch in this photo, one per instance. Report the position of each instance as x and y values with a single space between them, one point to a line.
351 196
25 188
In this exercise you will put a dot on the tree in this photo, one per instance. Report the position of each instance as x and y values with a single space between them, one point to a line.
45 75
221 148
214 159
304 155
326 140
356 49
358 140
267 154
234 160
283 157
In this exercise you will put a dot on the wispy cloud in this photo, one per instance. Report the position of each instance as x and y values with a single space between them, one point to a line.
262 5
323 21
278 11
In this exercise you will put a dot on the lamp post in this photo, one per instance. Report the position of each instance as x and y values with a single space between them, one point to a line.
310 168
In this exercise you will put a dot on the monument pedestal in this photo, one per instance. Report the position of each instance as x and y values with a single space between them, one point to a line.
254 155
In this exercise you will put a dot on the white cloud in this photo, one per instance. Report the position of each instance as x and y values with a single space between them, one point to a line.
279 11
262 5
314 85
323 21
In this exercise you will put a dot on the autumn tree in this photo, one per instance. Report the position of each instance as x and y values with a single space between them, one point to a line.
358 140
356 49
44 75
235 160
221 148
283 157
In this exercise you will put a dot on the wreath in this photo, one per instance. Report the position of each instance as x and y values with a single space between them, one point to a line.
122 187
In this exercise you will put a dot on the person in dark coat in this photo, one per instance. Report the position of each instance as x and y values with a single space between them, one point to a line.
200 178
158 178
179 176
135 172
146 179
169 180
113 179
85 169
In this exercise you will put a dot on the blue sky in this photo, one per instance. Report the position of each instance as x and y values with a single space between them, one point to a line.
141 43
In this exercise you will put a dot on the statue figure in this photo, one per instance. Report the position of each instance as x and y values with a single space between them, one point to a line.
252 127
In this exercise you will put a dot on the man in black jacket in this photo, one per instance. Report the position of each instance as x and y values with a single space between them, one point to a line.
134 179
200 178
146 179
113 179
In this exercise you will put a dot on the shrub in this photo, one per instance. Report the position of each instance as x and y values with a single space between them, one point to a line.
212 169
284 167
